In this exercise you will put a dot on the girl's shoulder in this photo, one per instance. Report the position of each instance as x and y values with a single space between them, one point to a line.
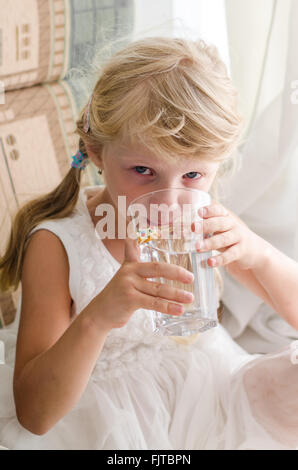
77 222
90 265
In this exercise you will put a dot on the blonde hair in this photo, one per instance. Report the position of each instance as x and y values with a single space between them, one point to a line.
173 94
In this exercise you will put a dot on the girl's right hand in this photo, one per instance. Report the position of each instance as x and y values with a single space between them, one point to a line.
129 289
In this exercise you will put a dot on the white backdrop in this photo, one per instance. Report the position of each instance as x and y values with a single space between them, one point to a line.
183 18
264 191
258 40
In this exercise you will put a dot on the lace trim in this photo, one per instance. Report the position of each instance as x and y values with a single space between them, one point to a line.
132 361
96 270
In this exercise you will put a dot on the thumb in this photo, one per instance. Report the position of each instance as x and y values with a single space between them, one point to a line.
131 250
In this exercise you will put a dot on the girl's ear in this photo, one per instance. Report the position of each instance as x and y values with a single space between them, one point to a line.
94 156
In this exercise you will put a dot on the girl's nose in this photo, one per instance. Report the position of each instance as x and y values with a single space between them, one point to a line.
166 200
172 197
165 206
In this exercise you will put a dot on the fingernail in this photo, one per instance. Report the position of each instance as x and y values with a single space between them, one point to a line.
189 276
175 308
200 245
188 295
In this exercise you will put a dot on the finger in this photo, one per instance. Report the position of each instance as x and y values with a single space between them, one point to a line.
218 241
131 250
213 210
166 270
229 255
150 302
217 225
164 291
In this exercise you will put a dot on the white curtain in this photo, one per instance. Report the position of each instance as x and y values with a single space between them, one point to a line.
258 41
263 43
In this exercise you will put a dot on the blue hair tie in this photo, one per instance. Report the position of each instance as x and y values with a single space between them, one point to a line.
80 160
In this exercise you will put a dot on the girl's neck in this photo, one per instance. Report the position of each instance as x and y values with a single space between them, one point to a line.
101 196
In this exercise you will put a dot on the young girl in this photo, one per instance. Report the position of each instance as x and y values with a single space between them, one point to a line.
89 373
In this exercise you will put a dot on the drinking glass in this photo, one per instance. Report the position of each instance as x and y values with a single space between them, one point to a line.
162 221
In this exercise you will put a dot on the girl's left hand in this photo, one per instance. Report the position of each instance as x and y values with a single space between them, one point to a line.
231 236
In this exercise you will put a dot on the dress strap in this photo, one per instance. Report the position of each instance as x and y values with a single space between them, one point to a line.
57 228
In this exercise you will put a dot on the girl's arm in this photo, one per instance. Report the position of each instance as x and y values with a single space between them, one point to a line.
274 279
52 383
54 358
252 260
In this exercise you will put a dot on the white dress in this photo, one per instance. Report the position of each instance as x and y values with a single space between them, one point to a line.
151 392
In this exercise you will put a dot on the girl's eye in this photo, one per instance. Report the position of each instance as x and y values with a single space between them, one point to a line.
192 174
141 169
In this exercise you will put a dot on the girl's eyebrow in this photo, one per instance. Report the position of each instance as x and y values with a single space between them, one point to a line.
135 157
161 163
139 158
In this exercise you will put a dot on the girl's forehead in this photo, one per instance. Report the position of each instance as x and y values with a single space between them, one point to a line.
126 147
141 154
157 162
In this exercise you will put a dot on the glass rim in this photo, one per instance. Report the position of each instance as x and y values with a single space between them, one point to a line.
166 189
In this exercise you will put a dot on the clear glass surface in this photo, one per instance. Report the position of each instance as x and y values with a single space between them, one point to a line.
172 240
